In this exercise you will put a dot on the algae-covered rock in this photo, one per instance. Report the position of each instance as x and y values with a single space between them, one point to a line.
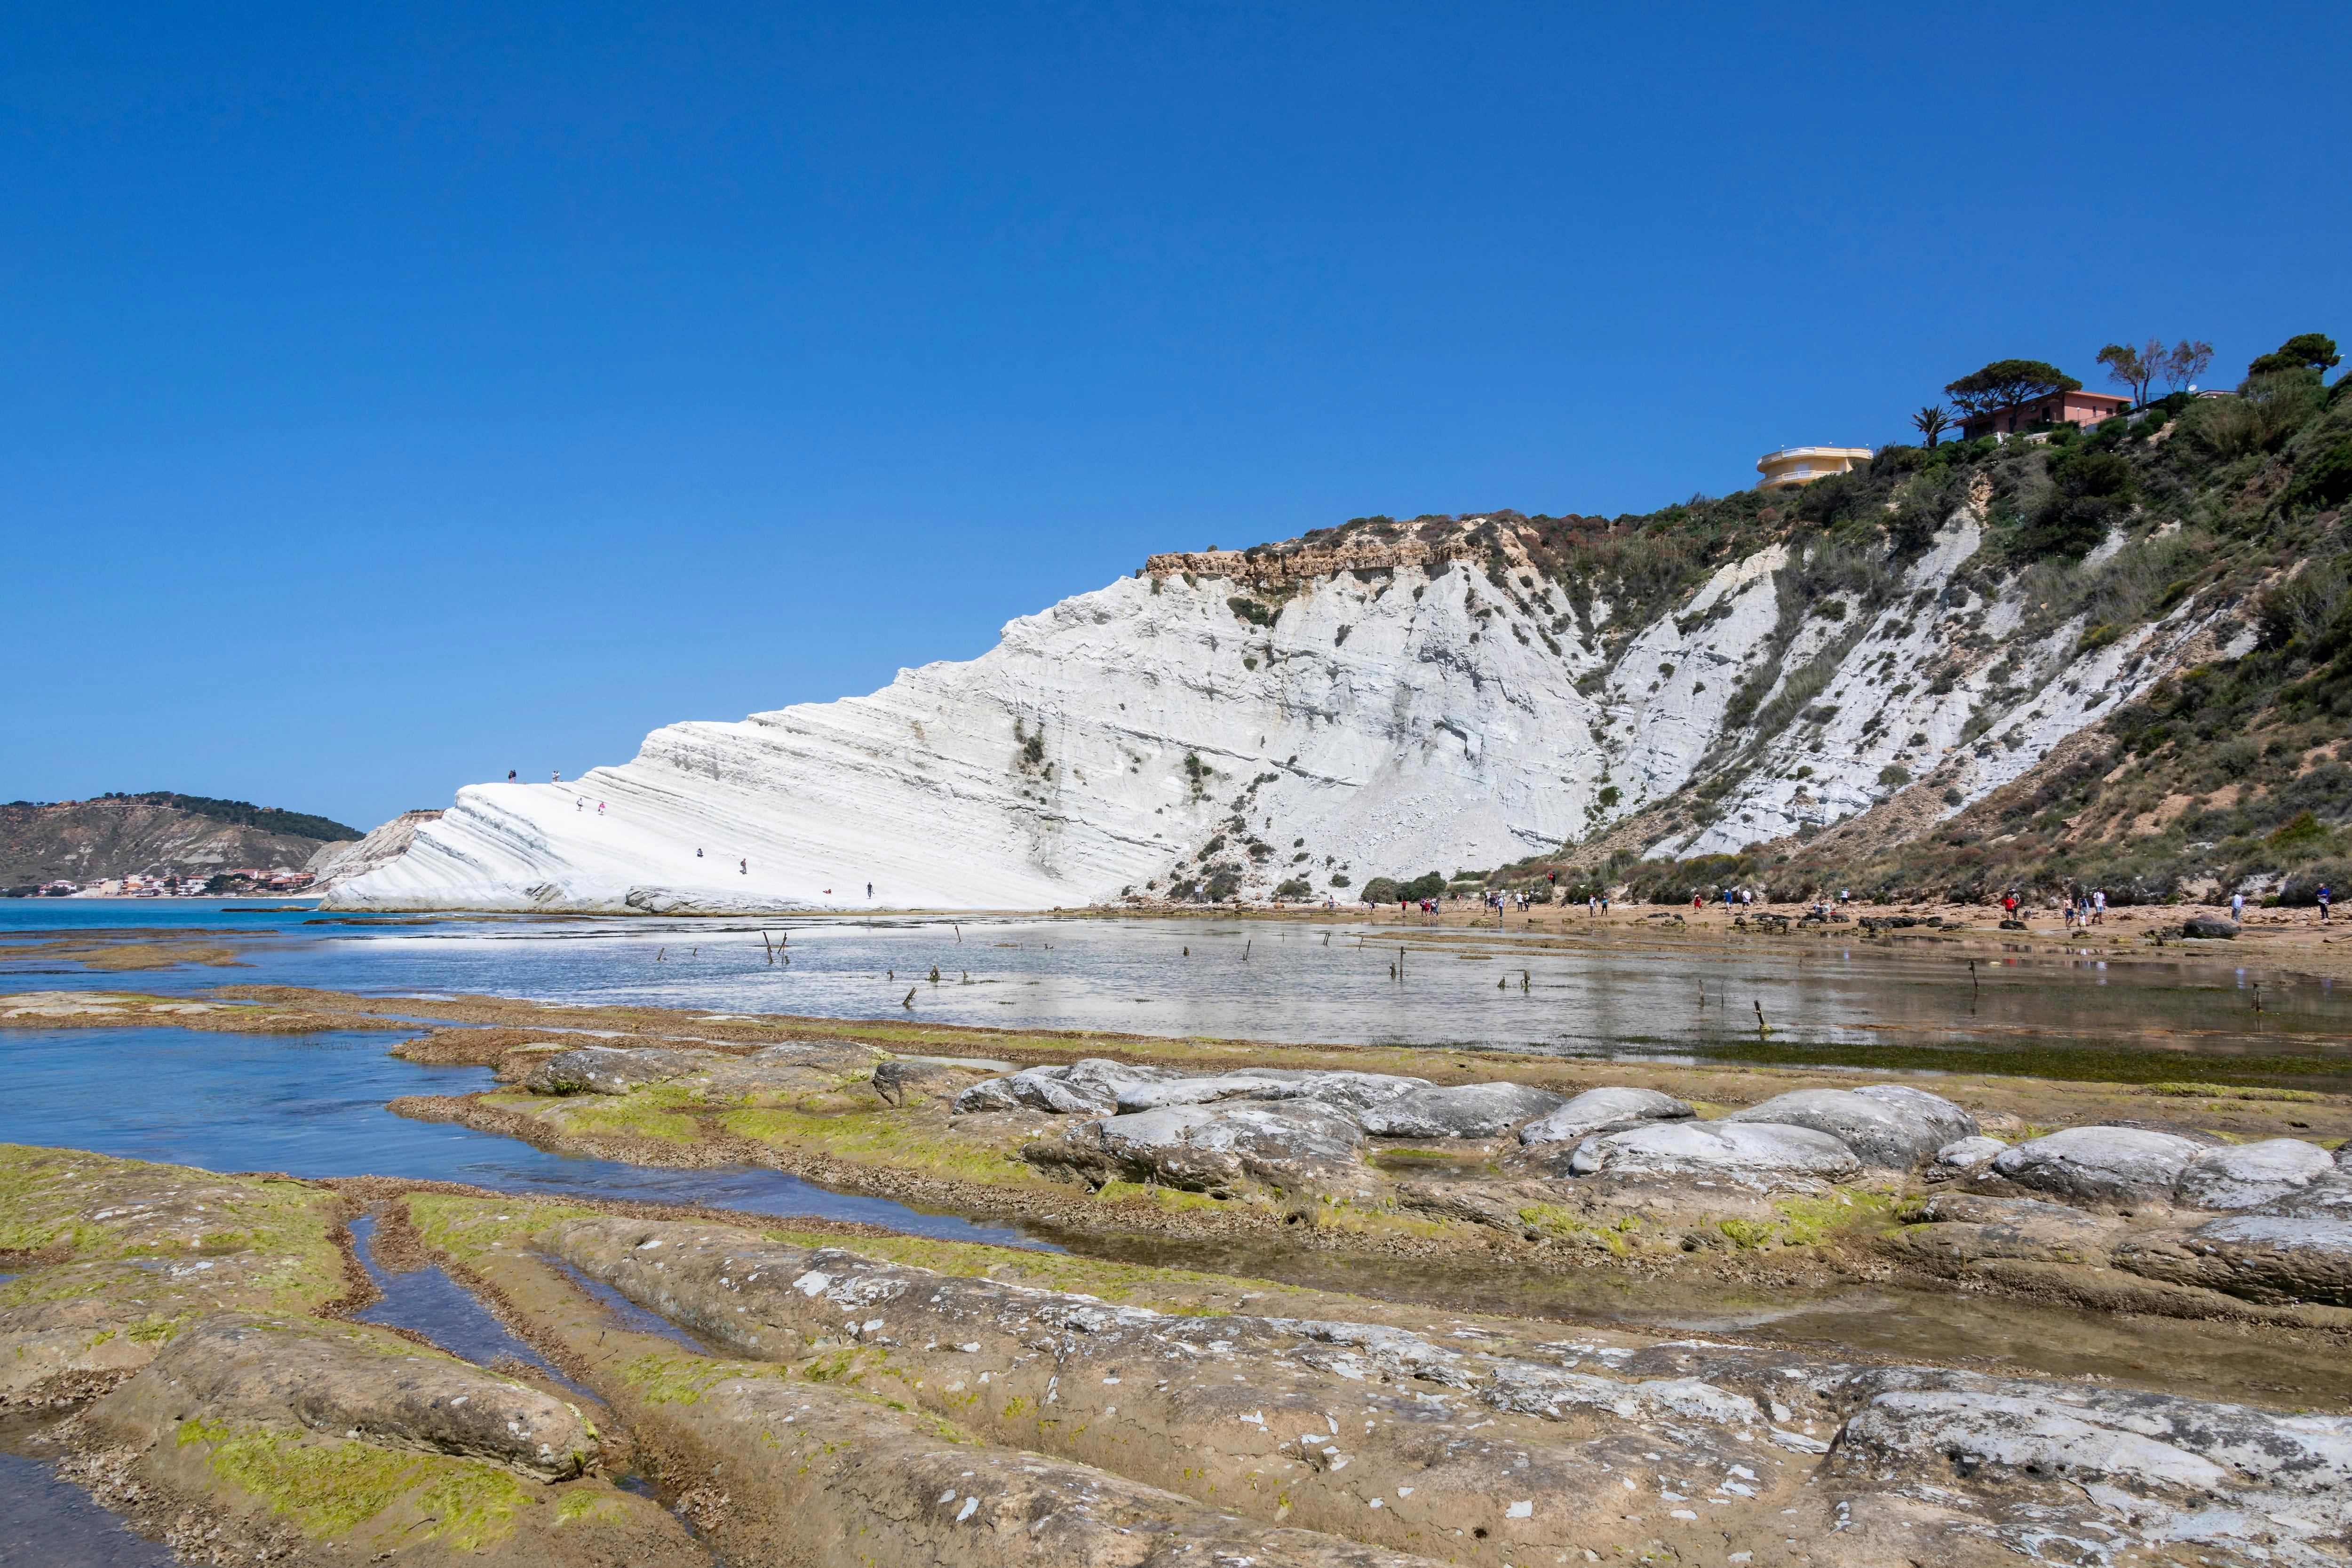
2101 1164
117 1254
1463 1110
2248 1175
1886 1124
1758 1154
349 1382
295 1449
607 1069
1603 1110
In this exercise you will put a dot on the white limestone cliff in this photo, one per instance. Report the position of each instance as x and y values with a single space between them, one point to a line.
1402 716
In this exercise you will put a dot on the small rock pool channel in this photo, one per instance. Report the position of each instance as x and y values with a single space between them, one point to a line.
313 1105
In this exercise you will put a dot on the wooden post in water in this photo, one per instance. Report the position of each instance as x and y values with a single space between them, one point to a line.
1761 1030
909 1001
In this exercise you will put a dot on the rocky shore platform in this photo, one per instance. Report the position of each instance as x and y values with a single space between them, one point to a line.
714 1387
705 1384
2175 1199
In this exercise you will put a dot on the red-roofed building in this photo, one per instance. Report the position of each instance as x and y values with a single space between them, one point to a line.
2075 407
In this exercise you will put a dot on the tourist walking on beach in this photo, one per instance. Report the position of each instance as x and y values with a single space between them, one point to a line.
2324 897
2238 907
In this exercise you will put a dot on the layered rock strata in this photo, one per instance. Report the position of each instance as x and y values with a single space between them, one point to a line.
1242 722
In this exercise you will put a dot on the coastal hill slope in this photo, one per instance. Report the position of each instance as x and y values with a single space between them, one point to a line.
155 834
1823 681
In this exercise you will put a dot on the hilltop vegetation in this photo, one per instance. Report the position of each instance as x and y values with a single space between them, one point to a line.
2236 774
150 833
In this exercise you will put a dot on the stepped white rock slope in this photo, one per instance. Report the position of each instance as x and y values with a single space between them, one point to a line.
1402 708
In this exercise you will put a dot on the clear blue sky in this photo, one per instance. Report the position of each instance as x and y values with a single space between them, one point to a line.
396 395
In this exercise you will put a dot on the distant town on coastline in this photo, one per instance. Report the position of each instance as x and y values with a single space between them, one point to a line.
161 844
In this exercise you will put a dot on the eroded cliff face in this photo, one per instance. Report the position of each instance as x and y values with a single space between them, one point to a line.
1246 722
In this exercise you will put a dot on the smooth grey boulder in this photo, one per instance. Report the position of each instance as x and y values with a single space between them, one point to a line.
2101 1164
1358 1090
606 1069
1297 1145
2261 1257
1887 1124
1075 1089
1966 1157
1348 1090
2210 926
1096 1087
2249 1175
1463 1110
1603 1110
1748 1153
1131 1094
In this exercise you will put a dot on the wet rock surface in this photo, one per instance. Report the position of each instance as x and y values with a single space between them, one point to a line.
1465 1111
1765 1156
2249 1175
1297 1146
1885 1124
1603 1110
2101 1164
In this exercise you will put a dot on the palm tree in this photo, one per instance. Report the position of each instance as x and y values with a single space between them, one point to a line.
1931 422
